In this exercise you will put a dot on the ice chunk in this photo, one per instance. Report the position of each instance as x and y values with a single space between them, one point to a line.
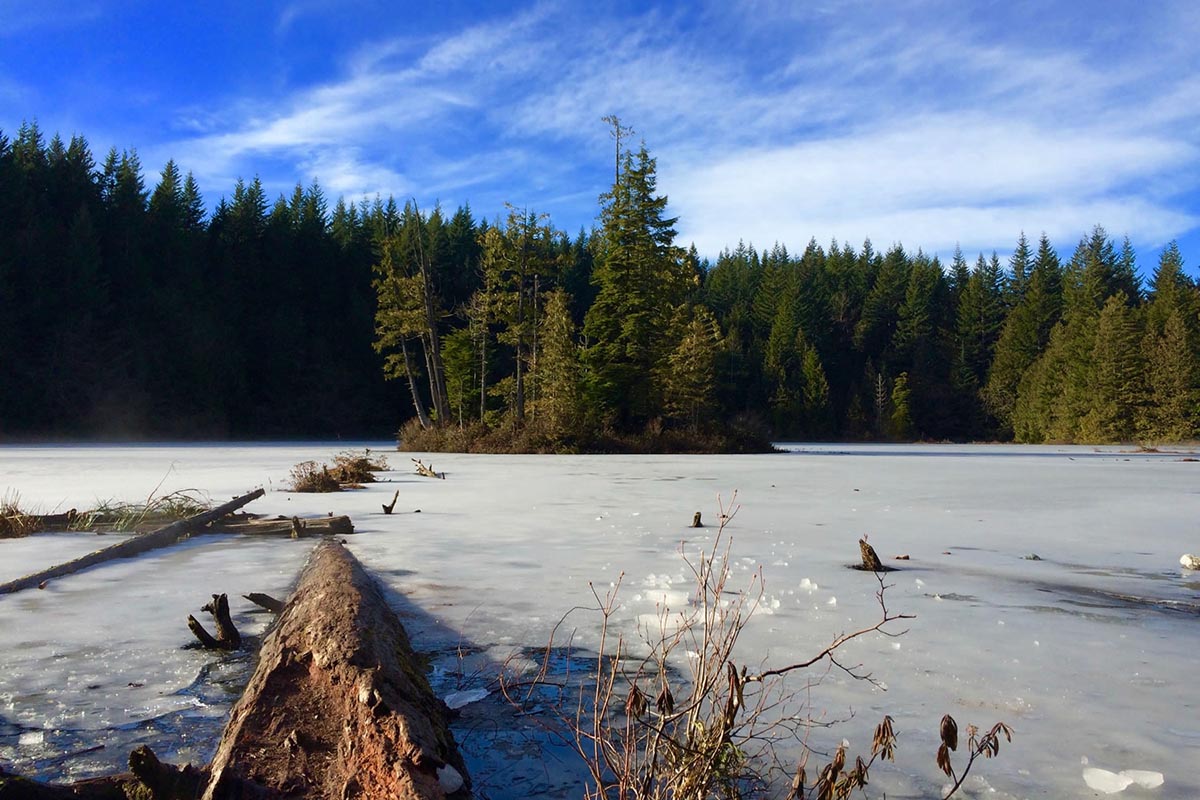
460 699
1189 561
1144 778
31 738
449 779
1104 781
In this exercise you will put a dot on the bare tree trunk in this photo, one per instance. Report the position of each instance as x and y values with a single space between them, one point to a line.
437 372
418 404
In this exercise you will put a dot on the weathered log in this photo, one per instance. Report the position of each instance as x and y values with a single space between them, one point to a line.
339 705
388 507
427 471
696 520
282 526
133 546
265 601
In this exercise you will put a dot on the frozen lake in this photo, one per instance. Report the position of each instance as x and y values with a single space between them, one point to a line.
1087 651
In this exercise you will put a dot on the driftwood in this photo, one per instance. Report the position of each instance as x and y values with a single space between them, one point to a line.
388 507
134 546
284 526
227 637
427 471
265 601
339 705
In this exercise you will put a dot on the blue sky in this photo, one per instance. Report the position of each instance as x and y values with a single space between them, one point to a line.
939 123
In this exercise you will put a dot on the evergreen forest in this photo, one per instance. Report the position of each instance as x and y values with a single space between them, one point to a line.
130 311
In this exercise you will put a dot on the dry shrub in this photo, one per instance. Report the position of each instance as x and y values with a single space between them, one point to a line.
353 467
14 523
478 438
312 476
676 716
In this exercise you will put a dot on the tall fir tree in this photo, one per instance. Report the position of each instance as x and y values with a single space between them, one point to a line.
641 279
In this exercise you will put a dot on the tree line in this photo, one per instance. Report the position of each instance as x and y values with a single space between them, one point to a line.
133 311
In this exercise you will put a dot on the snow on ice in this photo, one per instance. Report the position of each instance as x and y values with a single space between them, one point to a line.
1101 628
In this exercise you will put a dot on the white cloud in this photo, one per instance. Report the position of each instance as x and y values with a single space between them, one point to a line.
930 128
931 182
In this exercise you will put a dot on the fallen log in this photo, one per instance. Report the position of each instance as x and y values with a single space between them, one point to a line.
136 545
339 705
283 526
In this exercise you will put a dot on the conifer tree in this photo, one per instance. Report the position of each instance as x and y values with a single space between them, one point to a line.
1025 334
688 371
558 377
641 278
901 424
1020 265
1172 411
1117 392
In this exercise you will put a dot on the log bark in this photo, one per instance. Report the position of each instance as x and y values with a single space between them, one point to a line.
163 537
339 706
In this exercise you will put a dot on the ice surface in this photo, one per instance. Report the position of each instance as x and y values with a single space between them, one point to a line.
1102 628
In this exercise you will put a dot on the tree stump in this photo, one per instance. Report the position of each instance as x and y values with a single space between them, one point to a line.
227 637
696 520
387 507
870 561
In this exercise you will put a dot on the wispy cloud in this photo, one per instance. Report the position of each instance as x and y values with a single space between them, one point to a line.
19 17
772 121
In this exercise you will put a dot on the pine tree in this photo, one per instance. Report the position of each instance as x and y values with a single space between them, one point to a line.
558 377
519 260
1025 334
901 424
1117 392
1172 412
688 375
410 311
641 278
1020 266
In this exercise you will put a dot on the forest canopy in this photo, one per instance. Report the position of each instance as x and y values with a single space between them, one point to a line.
131 311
